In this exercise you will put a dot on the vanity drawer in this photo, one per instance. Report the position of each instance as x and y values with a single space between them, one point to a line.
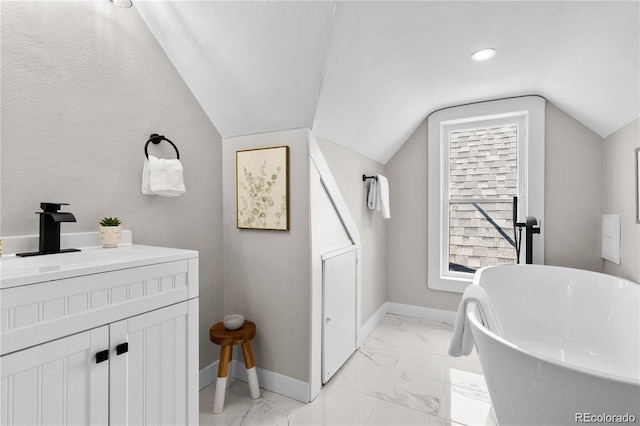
36 313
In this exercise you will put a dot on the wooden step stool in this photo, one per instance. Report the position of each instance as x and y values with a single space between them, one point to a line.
226 339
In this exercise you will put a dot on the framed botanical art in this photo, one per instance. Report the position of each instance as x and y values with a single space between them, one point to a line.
262 188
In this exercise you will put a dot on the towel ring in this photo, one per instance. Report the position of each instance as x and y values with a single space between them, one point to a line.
156 139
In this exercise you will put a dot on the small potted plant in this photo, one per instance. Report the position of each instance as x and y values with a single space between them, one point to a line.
110 232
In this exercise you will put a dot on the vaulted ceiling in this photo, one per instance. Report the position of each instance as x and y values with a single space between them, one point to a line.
364 74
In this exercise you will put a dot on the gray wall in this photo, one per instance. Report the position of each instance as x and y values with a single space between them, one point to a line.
619 197
347 168
573 192
407 229
84 84
573 185
267 273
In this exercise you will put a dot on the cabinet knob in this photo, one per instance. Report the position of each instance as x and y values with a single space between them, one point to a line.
102 356
122 348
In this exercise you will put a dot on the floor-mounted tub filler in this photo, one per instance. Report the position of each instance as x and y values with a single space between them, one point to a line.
569 349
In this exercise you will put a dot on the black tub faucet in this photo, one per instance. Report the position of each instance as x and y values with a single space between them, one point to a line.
50 219
529 224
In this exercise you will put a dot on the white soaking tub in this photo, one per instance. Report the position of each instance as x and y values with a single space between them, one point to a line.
570 346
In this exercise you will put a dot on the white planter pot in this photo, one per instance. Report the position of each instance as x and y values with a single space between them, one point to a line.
110 235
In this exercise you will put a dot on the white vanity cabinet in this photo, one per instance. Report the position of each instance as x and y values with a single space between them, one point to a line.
57 382
99 344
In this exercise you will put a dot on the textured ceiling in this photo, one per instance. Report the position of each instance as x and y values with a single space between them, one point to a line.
364 74
253 66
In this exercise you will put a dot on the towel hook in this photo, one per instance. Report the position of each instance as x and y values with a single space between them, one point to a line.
365 177
156 139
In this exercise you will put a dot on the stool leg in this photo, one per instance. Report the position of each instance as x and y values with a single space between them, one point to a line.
254 387
221 383
252 376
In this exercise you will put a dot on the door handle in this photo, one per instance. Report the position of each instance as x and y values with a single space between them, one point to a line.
102 356
122 348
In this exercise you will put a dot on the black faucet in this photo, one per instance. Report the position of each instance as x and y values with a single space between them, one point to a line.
50 219
530 226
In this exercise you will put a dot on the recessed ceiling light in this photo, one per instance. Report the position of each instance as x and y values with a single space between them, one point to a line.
483 55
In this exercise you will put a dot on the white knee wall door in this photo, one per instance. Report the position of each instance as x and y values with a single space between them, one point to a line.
339 311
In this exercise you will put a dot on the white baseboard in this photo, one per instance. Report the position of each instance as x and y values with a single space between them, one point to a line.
394 308
208 375
371 323
299 390
268 380
430 314
274 382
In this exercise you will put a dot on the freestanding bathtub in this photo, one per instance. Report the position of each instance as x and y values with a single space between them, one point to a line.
570 346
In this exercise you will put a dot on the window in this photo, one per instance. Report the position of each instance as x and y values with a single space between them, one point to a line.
480 157
481 179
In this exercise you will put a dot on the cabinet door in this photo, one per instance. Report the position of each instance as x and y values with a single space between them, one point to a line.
153 383
339 307
57 383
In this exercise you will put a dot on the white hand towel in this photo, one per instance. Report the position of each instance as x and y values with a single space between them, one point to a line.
372 197
145 179
383 197
162 177
462 340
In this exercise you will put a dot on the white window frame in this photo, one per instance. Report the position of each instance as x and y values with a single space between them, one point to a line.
519 118
528 113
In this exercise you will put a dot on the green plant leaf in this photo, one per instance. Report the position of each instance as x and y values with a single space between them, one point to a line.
110 221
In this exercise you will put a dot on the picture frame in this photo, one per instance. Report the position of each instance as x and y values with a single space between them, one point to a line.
637 157
262 188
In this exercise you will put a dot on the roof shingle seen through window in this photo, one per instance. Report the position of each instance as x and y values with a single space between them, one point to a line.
483 165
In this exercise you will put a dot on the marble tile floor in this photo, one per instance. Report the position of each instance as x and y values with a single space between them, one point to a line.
401 375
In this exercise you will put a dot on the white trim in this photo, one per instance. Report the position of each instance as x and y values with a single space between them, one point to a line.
340 205
371 323
339 252
315 294
268 380
274 382
193 315
333 191
430 314
208 375
532 205
517 118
